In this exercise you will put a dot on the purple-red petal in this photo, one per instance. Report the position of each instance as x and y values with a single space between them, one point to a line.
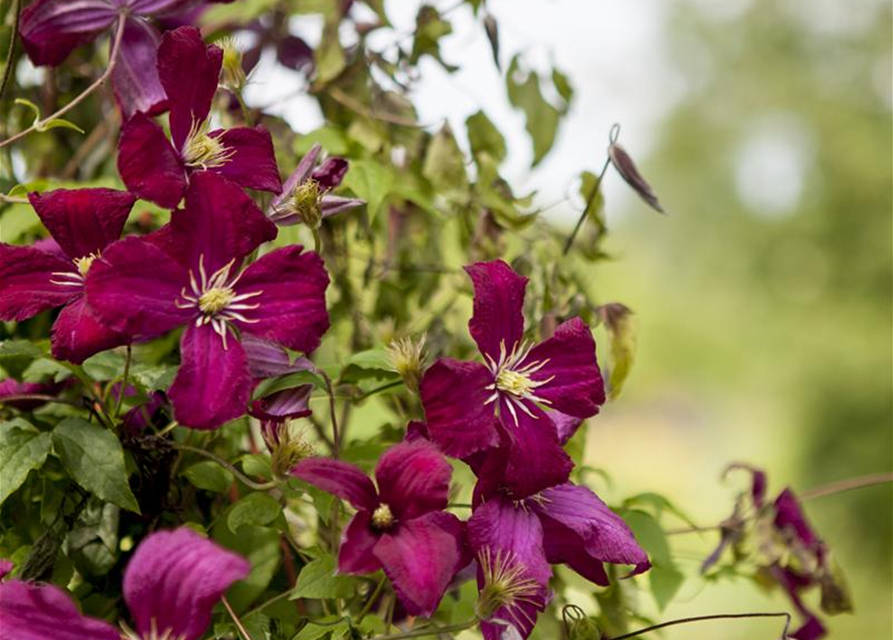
52 29
498 320
330 173
83 221
27 282
253 162
455 396
189 71
290 288
535 459
174 580
79 334
420 559
149 166
45 612
135 75
572 381
213 385
413 479
339 478
355 555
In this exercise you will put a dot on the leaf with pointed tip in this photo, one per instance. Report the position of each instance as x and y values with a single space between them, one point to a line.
22 449
524 93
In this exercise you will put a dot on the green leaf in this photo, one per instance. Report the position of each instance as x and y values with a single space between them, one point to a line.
260 546
430 28
372 363
44 368
58 123
288 381
484 137
318 580
444 164
22 448
563 87
106 365
665 582
650 535
34 108
542 118
209 476
94 458
255 509
313 631
371 181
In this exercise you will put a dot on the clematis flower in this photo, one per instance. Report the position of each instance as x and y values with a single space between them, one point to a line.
305 198
171 585
471 406
52 29
82 223
12 387
158 169
515 541
190 274
402 527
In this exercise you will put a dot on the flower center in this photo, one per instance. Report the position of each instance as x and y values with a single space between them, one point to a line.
201 150
382 518
215 300
513 380
84 264
304 203
152 634
505 583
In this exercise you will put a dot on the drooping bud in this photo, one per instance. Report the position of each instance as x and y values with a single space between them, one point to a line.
407 357
233 75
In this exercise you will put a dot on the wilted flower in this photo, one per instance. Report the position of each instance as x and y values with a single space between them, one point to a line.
305 198
52 29
471 407
159 171
402 527
171 586
190 273
82 223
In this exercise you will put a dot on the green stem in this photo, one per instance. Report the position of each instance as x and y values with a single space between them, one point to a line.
267 603
591 201
383 387
847 485
372 598
238 623
10 51
721 616
123 390
257 486
422 633
336 438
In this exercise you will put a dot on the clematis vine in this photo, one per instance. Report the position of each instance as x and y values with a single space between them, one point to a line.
158 169
305 197
472 407
190 273
52 29
50 274
170 587
401 527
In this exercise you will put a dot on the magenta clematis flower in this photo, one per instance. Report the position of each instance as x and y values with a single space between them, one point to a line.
515 541
52 29
471 407
402 527
171 585
158 170
82 222
305 198
190 273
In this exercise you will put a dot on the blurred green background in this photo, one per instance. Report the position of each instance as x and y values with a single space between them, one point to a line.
764 300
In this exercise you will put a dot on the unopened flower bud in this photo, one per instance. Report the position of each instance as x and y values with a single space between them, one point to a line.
584 628
233 73
407 357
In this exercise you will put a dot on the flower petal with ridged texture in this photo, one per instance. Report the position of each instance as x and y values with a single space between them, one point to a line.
338 478
213 385
45 612
601 533
566 426
268 360
135 75
330 173
413 479
535 460
575 385
454 395
149 166
355 555
189 71
175 578
52 29
498 307
157 7
253 162
79 334
26 282
134 288
83 221
501 532
420 559
292 298
219 222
